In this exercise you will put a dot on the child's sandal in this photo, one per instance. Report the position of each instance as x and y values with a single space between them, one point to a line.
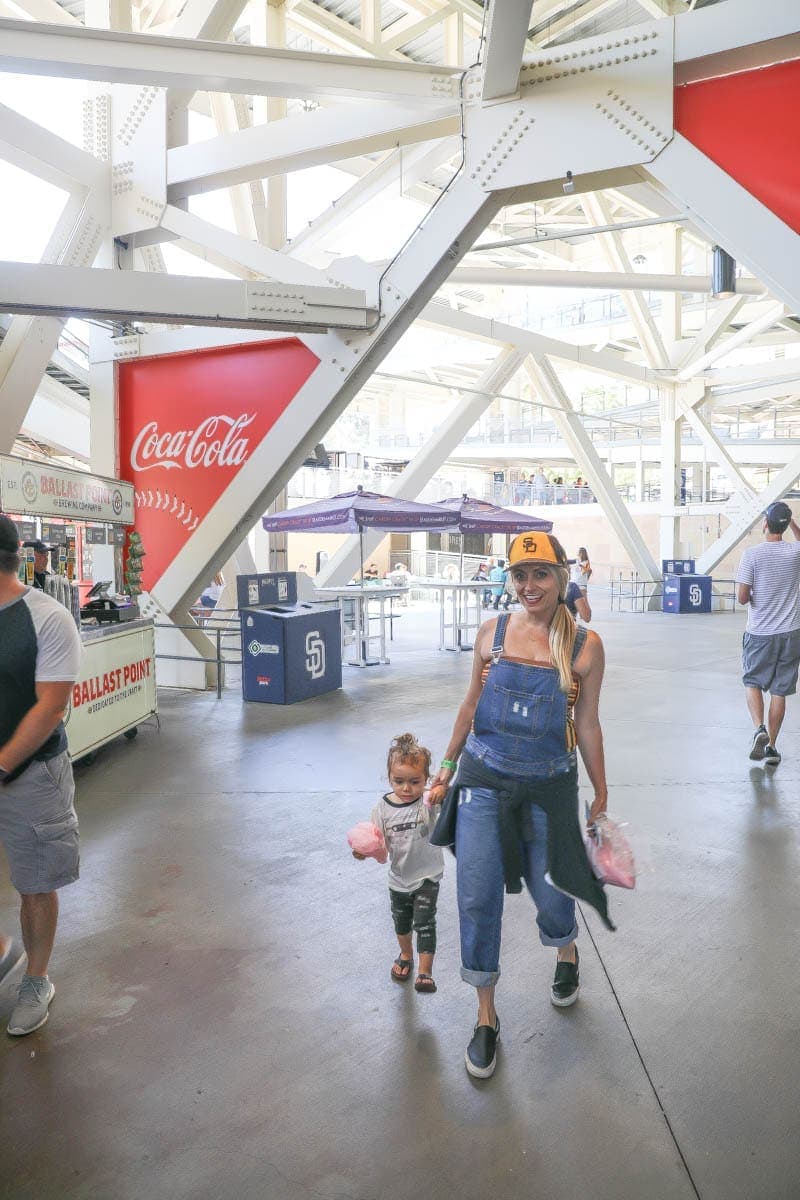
424 983
401 969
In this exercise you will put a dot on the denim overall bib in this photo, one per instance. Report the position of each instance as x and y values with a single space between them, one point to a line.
520 725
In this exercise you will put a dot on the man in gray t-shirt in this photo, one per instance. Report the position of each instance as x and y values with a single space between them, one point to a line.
40 653
768 582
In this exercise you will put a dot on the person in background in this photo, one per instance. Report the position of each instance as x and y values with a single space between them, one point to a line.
767 582
497 577
522 492
580 571
371 571
303 567
558 490
400 577
577 602
40 655
541 487
487 592
41 562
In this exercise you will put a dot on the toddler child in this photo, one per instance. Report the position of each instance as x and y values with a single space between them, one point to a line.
415 866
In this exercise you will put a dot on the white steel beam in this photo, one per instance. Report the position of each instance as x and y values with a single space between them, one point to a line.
207 20
605 280
30 343
715 326
748 515
740 338
727 215
571 20
486 329
741 36
232 251
549 386
405 167
598 213
506 34
132 295
104 55
35 149
688 399
426 462
298 142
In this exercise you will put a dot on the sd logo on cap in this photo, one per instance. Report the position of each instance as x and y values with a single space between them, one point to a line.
536 547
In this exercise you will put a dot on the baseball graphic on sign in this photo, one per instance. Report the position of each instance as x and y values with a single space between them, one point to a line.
188 424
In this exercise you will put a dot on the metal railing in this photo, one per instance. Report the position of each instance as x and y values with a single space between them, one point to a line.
220 627
630 593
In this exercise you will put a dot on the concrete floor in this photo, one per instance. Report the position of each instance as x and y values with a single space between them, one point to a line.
225 1025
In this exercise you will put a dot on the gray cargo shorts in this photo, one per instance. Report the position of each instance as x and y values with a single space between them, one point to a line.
770 662
39 826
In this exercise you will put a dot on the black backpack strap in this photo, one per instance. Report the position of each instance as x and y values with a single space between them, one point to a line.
499 636
580 642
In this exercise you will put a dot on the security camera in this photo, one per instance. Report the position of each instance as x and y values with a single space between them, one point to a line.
568 185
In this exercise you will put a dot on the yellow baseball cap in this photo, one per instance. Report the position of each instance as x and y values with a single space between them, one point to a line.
535 547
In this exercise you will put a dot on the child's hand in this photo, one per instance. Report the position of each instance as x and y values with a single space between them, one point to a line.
360 857
436 795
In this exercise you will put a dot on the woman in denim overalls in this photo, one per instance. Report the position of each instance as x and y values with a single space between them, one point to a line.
532 699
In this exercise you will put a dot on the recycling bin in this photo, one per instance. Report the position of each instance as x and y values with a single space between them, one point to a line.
290 652
686 594
271 587
677 566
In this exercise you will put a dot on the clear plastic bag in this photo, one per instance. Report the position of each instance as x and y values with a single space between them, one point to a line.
610 853
365 838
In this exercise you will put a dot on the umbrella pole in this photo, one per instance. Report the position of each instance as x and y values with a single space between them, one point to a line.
461 562
361 551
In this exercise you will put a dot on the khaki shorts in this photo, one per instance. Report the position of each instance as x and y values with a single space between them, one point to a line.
39 826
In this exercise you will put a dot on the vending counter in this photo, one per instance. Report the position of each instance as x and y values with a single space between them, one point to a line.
116 689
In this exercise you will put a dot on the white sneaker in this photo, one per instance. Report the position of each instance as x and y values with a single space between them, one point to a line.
33 1003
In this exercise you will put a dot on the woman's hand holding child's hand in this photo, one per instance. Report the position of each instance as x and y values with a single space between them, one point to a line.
435 794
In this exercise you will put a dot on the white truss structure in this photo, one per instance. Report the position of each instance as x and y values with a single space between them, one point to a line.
540 131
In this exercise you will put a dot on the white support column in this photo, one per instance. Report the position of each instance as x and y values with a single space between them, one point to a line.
669 520
429 459
572 430
506 34
103 447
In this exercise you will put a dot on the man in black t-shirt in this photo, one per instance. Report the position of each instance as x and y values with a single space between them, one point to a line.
41 562
40 651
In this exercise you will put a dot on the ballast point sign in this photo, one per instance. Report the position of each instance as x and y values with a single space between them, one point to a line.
34 487
189 423
116 688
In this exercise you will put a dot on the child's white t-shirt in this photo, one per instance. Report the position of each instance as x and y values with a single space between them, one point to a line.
406 828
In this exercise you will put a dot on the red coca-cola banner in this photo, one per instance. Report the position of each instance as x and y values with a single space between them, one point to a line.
747 124
187 424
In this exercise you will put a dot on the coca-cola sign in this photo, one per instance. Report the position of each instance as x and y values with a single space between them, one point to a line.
217 441
188 424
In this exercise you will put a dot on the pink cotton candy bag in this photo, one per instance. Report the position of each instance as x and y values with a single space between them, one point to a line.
610 854
365 838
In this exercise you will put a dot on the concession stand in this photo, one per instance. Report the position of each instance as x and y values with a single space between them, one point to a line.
83 518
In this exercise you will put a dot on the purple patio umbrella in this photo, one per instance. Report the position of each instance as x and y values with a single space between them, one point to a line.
353 512
479 516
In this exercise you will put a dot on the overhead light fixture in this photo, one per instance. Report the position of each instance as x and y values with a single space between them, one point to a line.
723 273
568 186
640 260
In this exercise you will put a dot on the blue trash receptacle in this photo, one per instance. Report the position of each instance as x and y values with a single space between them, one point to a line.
270 587
686 594
290 652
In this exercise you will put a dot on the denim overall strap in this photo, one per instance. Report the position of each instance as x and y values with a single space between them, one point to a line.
499 636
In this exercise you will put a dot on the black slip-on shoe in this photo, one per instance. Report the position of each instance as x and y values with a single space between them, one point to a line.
771 757
760 744
566 983
481 1053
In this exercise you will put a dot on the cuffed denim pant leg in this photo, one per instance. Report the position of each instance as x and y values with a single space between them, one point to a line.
481 884
555 911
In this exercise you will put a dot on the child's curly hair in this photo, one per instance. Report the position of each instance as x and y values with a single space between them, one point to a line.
405 748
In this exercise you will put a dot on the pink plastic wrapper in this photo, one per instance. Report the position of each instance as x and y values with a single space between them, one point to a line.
610 854
365 838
